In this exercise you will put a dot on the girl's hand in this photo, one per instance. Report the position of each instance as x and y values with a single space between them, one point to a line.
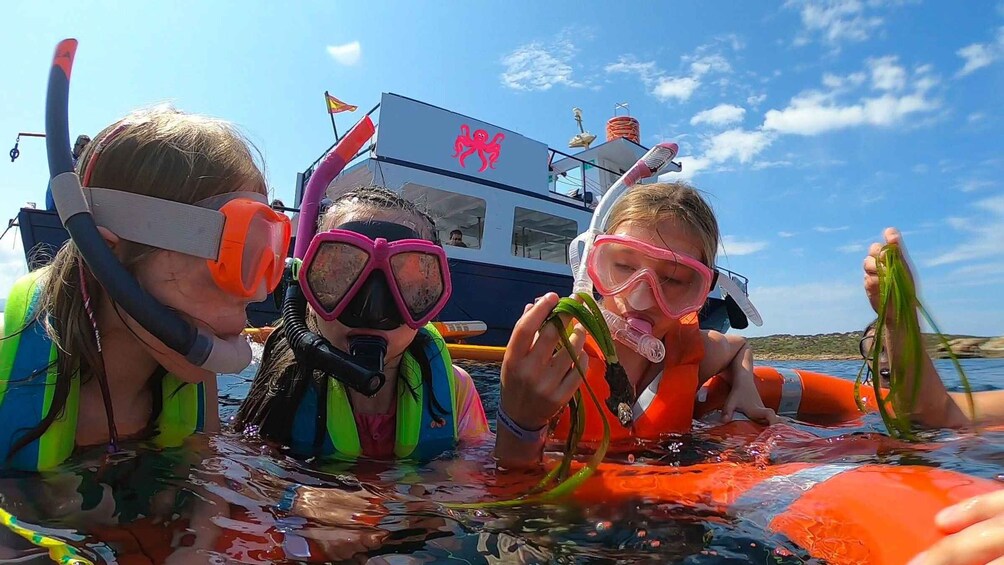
892 237
745 398
977 533
538 378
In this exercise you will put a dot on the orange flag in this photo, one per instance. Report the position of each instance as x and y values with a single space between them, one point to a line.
335 105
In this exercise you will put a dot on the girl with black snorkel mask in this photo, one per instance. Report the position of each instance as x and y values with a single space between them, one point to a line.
374 276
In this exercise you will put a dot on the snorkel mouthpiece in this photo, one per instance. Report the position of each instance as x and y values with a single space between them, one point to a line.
369 351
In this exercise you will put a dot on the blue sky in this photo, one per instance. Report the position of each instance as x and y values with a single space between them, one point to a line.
811 126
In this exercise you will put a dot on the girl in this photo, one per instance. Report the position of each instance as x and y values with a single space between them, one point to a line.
373 277
654 267
935 407
182 207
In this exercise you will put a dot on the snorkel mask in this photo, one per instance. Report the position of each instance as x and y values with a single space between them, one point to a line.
362 367
241 238
636 334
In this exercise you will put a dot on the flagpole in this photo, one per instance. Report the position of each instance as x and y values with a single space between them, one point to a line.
331 115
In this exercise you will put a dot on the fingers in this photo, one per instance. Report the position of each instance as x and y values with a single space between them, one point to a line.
523 333
978 544
892 236
570 381
968 512
562 357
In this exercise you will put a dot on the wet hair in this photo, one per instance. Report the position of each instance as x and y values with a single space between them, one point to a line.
280 385
158 152
654 203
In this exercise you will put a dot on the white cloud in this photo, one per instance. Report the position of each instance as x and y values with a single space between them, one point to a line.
536 66
785 234
760 165
679 88
985 234
722 114
734 247
979 55
647 71
736 144
976 56
974 184
886 74
701 62
852 248
835 21
756 100
827 229
347 54
710 63
815 112
976 117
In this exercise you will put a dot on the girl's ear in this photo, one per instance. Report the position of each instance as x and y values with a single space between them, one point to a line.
110 237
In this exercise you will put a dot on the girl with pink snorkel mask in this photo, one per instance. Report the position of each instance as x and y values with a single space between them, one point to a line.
653 264
373 278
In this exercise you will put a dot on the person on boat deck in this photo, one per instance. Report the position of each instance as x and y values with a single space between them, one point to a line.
373 277
457 238
76 369
654 267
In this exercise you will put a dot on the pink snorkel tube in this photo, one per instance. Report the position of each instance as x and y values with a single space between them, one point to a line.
331 166
311 350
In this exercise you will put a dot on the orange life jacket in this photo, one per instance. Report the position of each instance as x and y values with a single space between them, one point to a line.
666 406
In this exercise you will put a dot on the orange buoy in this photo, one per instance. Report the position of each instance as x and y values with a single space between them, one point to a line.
810 397
623 126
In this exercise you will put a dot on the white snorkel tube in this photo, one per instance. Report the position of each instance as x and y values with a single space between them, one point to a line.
578 252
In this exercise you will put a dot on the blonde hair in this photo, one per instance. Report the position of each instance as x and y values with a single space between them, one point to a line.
158 152
651 204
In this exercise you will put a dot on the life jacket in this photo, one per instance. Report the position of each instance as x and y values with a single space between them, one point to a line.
28 373
416 436
666 406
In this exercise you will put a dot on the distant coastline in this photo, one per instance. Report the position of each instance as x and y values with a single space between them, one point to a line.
844 346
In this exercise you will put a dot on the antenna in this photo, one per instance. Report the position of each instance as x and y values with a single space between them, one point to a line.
582 139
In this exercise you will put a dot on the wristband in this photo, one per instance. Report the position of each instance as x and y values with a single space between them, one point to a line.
521 433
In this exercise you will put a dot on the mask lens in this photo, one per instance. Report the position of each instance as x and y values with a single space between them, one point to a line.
265 248
333 270
679 287
419 278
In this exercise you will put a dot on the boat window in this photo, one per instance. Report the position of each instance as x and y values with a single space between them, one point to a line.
542 236
459 218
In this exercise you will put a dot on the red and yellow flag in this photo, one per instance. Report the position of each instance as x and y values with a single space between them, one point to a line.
335 105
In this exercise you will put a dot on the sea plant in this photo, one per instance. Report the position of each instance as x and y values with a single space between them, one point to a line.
583 309
899 307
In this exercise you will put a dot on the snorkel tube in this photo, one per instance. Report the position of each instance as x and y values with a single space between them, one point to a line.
199 347
310 349
578 253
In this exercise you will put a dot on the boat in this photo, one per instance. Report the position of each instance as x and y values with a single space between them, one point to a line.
516 202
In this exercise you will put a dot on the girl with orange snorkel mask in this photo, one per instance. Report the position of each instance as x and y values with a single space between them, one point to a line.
123 334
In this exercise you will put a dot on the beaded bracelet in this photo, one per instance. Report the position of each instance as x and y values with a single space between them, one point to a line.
521 433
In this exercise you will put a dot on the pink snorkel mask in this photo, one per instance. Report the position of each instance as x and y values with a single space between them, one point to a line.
619 264
372 282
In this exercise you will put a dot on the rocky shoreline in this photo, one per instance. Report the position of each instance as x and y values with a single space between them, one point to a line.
844 347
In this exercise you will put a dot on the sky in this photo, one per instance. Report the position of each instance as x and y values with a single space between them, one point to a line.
810 126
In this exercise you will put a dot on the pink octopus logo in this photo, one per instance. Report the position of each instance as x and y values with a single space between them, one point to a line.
466 145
